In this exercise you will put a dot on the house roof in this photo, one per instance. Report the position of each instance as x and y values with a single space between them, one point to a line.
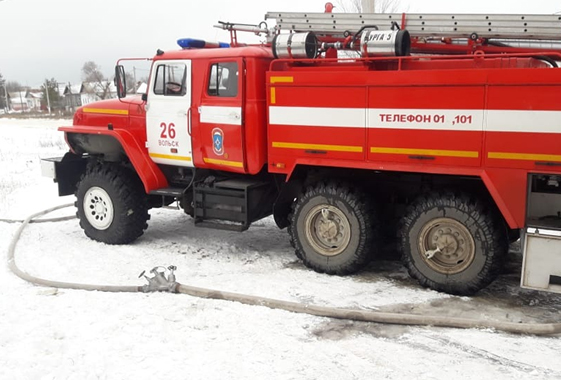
16 96
35 94
98 87
72 89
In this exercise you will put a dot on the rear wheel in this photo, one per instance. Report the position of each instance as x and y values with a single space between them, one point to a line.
332 229
111 203
452 243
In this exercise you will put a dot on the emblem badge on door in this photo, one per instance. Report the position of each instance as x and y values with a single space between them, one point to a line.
218 141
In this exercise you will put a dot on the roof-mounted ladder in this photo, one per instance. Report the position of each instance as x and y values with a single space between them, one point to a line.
438 33
535 27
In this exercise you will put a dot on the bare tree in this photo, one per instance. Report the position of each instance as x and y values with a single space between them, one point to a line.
91 72
14 86
97 82
369 6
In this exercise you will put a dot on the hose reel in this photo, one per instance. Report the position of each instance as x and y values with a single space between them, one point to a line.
296 45
373 43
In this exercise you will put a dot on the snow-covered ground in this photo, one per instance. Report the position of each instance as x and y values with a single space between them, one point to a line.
49 334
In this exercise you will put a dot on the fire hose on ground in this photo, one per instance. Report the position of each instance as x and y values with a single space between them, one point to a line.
160 282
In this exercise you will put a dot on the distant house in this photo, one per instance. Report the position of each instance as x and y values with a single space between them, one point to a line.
18 101
72 96
34 99
88 94
60 87
94 91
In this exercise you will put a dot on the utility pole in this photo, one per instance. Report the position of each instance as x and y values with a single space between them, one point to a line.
21 102
134 76
48 98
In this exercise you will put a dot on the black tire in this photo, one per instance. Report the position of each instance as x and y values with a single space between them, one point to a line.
471 235
336 209
106 187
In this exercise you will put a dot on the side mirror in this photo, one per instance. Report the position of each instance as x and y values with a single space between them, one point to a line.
120 81
144 97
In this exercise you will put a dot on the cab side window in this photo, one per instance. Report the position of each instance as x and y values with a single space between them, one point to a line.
223 81
170 80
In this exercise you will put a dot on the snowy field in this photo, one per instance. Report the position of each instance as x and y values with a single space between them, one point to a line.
49 334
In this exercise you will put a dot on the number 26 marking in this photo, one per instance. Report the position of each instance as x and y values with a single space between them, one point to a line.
167 130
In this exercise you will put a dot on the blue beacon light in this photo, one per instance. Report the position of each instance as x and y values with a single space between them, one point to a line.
192 43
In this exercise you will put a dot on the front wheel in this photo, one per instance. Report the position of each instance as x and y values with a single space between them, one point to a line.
332 228
452 243
111 204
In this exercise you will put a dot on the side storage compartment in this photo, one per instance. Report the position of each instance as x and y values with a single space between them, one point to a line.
232 204
541 267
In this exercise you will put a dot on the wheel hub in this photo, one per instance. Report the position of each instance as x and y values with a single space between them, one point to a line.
450 244
98 208
328 230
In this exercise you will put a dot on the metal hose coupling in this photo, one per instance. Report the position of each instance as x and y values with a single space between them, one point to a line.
159 282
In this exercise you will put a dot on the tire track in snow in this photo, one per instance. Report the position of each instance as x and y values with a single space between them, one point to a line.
445 343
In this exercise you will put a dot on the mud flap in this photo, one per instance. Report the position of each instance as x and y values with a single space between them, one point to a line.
66 171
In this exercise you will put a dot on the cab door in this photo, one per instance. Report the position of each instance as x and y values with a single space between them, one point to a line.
222 118
168 115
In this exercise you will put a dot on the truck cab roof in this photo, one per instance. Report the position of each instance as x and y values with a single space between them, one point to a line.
233 52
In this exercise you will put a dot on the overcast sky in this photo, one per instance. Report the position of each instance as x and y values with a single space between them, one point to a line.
53 38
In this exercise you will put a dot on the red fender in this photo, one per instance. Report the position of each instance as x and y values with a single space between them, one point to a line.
150 174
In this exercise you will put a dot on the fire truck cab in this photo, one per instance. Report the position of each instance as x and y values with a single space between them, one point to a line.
216 111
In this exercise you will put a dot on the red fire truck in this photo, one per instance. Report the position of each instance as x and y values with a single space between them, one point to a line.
443 131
